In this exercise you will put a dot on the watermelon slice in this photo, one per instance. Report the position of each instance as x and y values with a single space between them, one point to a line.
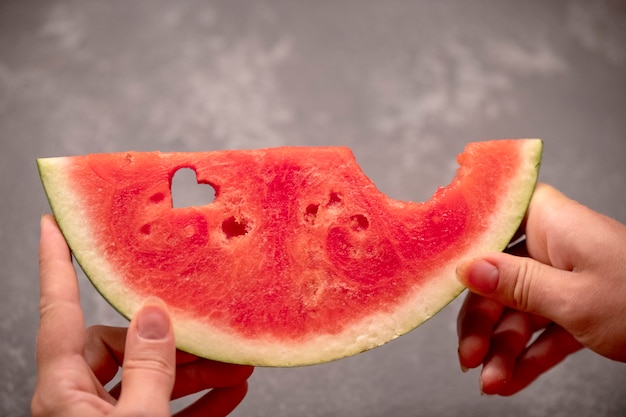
299 259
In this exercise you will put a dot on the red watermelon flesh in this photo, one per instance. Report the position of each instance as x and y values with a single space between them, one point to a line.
299 259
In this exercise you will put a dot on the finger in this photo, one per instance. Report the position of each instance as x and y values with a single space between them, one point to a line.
203 374
476 321
517 282
149 365
508 342
61 326
553 233
104 351
200 375
518 244
194 377
550 348
217 403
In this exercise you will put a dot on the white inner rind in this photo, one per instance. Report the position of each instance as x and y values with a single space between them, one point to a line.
371 331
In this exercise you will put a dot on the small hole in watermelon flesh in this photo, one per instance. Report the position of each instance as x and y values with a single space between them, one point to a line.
359 223
335 199
233 227
186 192
157 198
311 212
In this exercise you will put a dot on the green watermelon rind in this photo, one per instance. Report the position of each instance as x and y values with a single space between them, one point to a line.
371 331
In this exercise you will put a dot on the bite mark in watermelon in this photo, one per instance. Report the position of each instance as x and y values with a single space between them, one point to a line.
299 259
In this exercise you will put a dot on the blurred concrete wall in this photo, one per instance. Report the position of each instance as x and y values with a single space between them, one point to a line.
405 84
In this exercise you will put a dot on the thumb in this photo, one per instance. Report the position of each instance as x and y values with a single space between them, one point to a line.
148 370
517 282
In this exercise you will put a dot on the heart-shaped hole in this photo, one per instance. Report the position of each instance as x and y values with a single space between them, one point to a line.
187 192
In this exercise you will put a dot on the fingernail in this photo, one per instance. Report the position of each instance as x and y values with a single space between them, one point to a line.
464 368
45 219
153 322
479 275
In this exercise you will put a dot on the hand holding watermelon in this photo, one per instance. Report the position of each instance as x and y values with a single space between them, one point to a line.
74 364
571 288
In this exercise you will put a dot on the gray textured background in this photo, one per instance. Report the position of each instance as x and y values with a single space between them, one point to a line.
405 84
